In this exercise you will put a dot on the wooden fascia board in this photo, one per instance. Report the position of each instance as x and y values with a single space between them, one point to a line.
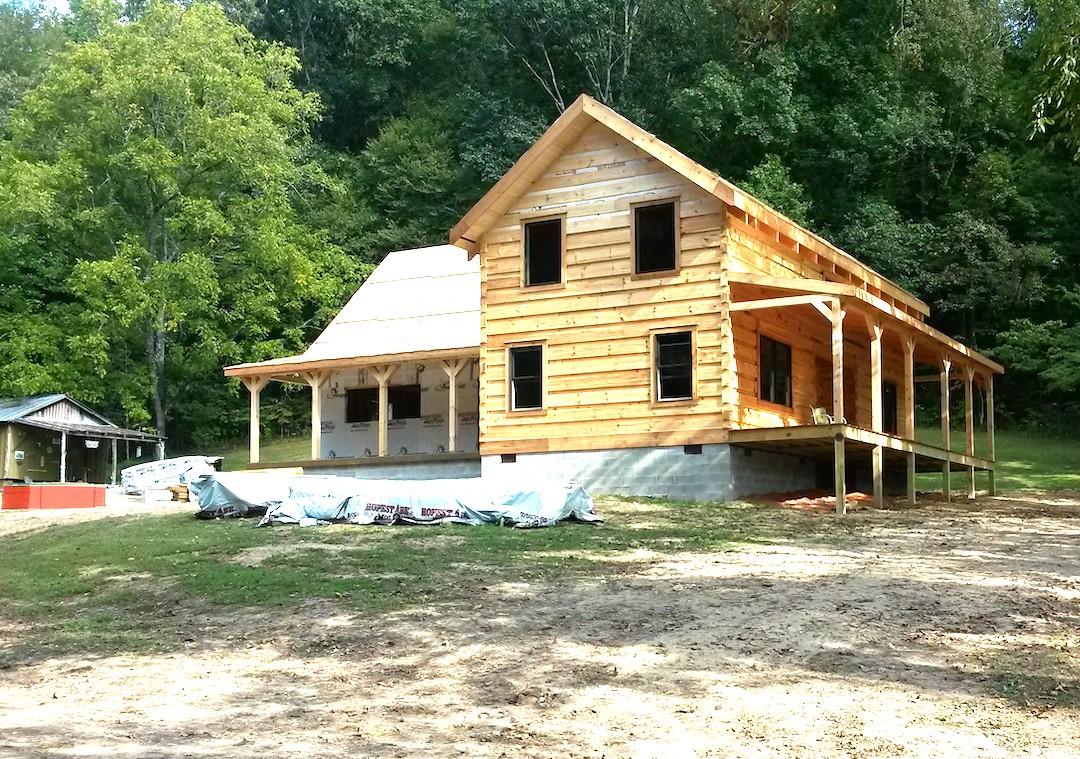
851 292
786 302
466 233
278 369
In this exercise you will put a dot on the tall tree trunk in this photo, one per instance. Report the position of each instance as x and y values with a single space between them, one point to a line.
155 353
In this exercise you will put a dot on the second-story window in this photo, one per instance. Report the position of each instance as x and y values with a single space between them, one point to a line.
655 238
526 377
543 252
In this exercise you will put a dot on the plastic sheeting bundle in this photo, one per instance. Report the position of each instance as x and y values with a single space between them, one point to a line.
309 500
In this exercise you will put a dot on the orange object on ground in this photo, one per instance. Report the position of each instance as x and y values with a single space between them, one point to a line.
53 495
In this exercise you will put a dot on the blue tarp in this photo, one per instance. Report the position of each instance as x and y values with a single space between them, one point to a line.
309 499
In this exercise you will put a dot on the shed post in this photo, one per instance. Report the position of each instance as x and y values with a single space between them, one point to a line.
383 374
969 424
877 420
254 386
909 413
63 456
837 319
316 380
114 461
990 454
946 435
8 445
452 368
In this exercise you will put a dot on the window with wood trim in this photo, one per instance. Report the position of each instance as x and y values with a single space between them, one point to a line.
543 252
655 238
774 367
361 405
526 377
674 357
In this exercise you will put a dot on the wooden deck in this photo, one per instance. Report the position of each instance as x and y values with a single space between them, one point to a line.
818 441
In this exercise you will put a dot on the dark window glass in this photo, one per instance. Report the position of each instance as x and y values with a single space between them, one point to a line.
888 407
775 365
543 252
526 377
674 367
404 401
654 238
362 405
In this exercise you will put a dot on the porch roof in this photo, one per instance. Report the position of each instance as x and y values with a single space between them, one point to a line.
419 303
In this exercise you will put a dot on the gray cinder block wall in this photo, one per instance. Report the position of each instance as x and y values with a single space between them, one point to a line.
716 473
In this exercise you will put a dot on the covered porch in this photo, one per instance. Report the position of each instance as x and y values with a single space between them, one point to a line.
860 422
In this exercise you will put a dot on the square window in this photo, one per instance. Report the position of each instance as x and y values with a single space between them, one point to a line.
526 377
654 238
543 252
674 366
404 401
774 363
362 405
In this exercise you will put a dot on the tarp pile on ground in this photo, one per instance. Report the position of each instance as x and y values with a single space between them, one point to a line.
157 475
310 499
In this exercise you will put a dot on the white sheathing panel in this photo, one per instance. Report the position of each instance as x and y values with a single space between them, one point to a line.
428 434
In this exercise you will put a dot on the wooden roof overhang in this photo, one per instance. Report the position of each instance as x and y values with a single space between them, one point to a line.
292 368
586 111
934 342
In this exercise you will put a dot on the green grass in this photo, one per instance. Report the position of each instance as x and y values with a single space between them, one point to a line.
116 584
1025 460
271 451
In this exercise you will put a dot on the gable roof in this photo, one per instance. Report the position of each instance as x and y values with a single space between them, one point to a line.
584 112
14 409
419 301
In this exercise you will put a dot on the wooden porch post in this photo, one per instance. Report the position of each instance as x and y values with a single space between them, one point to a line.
63 456
452 367
255 386
114 461
909 412
969 424
877 417
946 436
315 381
839 465
990 431
383 374
7 450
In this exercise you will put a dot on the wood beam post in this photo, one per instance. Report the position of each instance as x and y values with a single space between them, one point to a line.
946 434
382 375
839 465
877 416
114 461
8 444
63 456
255 387
909 412
990 453
452 367
315 381
969 424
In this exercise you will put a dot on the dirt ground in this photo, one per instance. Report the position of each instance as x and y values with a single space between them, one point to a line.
940 631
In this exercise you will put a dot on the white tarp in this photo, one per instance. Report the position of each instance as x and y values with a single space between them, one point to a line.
307 500
155 475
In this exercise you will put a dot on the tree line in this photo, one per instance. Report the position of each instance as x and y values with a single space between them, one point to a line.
186 186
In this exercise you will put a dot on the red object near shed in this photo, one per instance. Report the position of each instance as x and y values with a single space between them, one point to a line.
53 495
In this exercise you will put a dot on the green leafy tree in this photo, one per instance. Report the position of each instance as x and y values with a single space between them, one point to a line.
157 164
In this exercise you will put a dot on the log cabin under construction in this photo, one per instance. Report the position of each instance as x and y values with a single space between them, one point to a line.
612 313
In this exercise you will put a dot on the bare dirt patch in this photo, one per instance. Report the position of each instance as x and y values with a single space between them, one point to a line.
935 631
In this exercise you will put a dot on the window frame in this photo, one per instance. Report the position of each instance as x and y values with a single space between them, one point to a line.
524 285
531 411
676 202
766 335
390 388
374 418
419 401
654 379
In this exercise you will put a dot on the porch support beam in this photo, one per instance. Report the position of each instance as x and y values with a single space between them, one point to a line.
255 386
877 417
114 461
969 424
839 465
453 368
990 454
794 300
315 381
63 456
382 375
909 412
946 436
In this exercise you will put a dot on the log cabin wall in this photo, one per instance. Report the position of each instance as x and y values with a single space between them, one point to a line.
596 325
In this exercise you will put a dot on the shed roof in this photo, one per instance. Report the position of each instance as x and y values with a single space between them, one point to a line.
13 409
421 301
25 411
